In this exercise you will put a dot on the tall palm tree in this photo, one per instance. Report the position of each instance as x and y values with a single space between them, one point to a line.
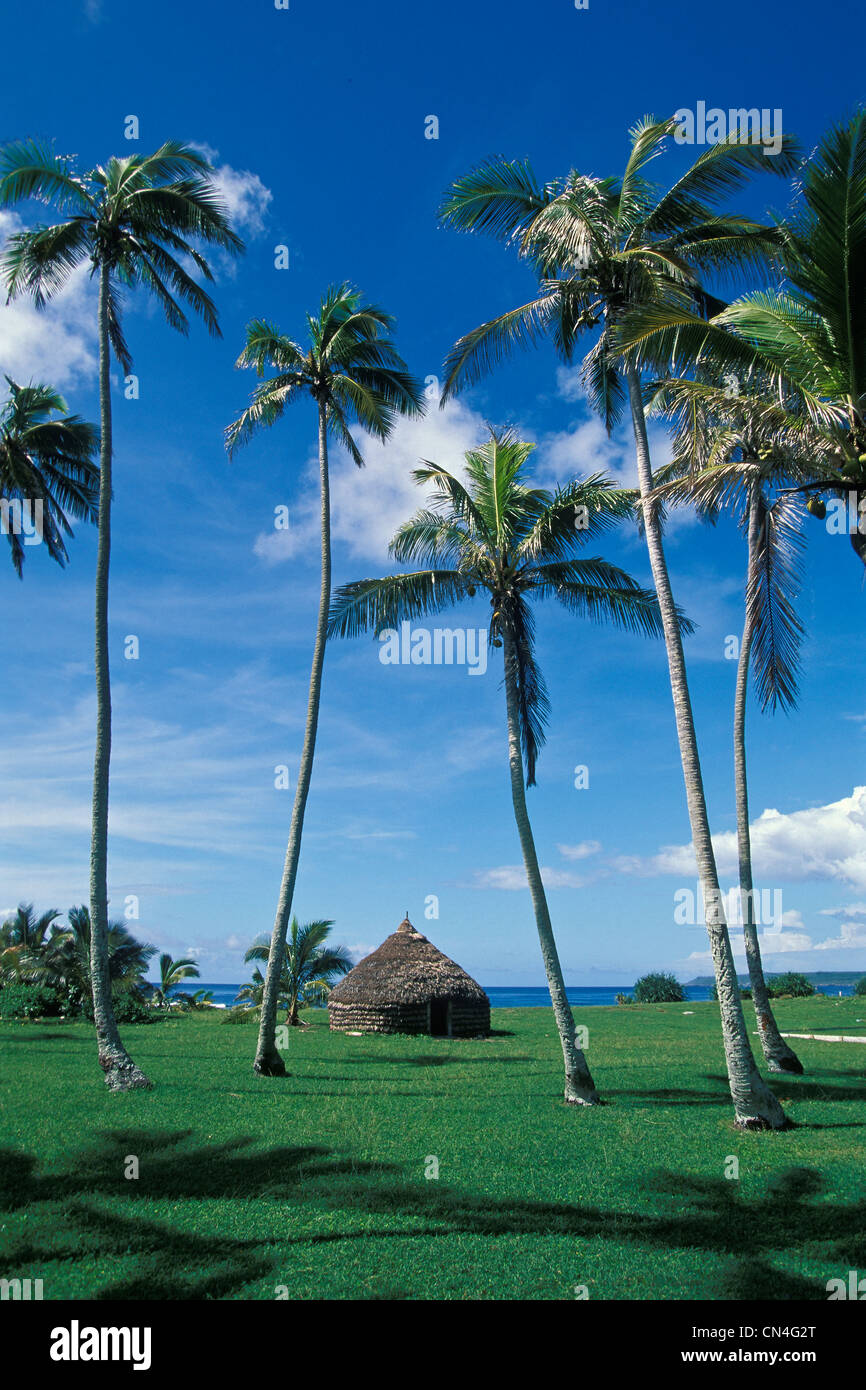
353 373
807 338
46 462
309 966
135 221
172 973
601 248
518 543
731 453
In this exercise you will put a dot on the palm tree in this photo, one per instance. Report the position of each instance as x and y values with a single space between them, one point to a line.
352 371
22 938
25 929
171 974
46 463
134 221
66 961
252 993
518 543
601 248
309 967
730 452
806 338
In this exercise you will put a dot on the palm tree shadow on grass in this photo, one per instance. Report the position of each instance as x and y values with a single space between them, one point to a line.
787 1088
678 1211
436 1059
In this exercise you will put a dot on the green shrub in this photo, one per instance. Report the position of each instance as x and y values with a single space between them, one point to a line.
623 999
790 983
860 987
29 1001
128 1008
241 1015
660 988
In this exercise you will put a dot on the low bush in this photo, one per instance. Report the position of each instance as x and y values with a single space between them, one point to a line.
660 988
29 1001
797 986
128 1008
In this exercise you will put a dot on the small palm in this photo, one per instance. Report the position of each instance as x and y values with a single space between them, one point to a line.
309 965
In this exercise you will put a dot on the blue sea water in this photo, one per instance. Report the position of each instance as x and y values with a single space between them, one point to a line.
526 997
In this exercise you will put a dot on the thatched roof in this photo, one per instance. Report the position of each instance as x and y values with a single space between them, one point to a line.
406 969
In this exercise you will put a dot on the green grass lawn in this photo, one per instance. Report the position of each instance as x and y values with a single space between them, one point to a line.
317 1182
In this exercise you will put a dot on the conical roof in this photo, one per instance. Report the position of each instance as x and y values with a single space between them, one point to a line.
405 969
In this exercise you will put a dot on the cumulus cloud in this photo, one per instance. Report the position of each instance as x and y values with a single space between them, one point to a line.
57 344
368 504
820 843
245 197
359 950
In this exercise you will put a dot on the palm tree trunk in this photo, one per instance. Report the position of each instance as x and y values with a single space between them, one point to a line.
121 1073
268 1060
755 1106
777 1054
579 1085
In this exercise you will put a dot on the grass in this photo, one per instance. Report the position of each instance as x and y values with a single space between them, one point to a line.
317 1182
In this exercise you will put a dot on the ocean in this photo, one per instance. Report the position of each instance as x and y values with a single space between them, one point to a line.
528 996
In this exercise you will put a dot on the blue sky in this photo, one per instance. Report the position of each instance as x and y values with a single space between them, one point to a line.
315 119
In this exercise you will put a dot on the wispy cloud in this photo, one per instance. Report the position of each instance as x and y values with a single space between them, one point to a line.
511 878
584 850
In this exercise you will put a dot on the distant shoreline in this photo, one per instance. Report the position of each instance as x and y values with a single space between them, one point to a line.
537 996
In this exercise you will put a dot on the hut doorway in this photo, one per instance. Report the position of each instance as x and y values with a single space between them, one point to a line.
440 1018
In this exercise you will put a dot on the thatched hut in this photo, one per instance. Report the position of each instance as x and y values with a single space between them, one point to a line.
407 986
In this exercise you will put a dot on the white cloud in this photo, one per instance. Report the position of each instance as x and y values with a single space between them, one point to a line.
580 851
511 878
359 950
57 344
368 504
852 931
245 197
821 843
792 918
586 447
772 943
